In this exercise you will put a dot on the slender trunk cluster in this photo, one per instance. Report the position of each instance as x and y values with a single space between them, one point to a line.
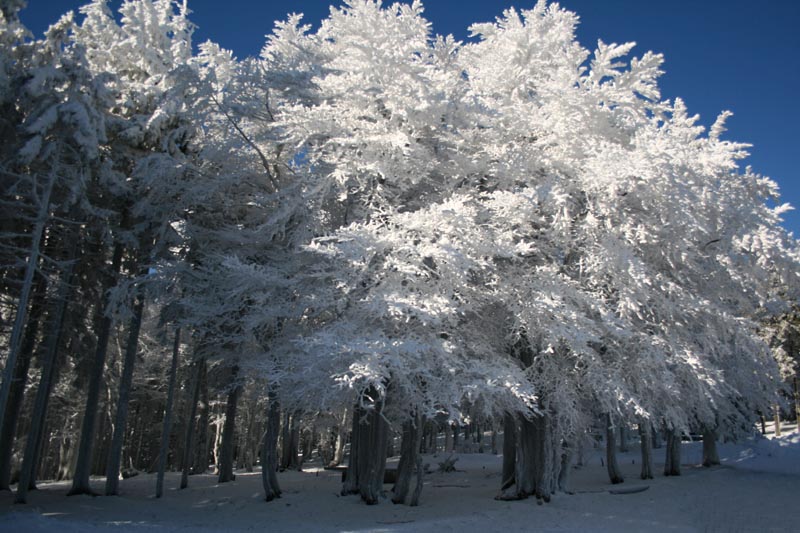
410 464
367 449
672 460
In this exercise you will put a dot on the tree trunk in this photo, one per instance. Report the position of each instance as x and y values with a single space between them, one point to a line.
448 439
167 426
16 394
564 471
350 482
409 461
672 463
228 430
83 465
372 452
368 449
710 454
189 439
509 451
290 441
121 418
776 409
269 451
199 459
341 440
35 435
614 474
645 437
20 319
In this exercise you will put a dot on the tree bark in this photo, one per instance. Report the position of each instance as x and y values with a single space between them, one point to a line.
121 418
368 449
409 461
83 465
509 451
614 474
27 286
710 454
228 430
35 435
189 438
269 451
645 437
16 394
341 440
672 463
167 426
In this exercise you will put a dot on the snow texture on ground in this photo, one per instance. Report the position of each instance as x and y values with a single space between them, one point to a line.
754 490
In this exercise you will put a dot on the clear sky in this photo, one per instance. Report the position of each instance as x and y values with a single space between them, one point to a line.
738 55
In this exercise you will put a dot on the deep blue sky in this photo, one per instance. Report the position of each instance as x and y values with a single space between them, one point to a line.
738 55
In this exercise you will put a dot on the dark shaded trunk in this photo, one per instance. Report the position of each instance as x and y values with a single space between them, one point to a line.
17 391
269 451
167 426
565 469
228 431
290 442
623 438
672 462
645 438
121 418
614 474
509 451
199 460
34 443
368 449
83 465
528 469
189 437
410 461
710 453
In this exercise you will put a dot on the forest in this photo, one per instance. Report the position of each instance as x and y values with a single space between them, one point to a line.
372 241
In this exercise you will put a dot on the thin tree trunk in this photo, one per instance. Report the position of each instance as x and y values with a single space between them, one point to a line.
269 451
165 429
199 458
83 465
448 439
672 464
27 286
776 409
409 459
623 438
645 437
350 482
121 418
228 429
710 454
189 440
341 440
614 474
8 432
35 435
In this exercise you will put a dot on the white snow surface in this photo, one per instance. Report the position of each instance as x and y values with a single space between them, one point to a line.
754 490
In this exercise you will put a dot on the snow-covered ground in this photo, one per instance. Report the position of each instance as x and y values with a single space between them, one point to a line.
755 490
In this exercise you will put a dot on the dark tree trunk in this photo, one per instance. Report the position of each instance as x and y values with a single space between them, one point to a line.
410 461
290 442
564 471
121 418
368 449
35 439
16 393
228 430
83 465
269 451
509 451
672 463
710 454
189 438
645 437
166 427
614 474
